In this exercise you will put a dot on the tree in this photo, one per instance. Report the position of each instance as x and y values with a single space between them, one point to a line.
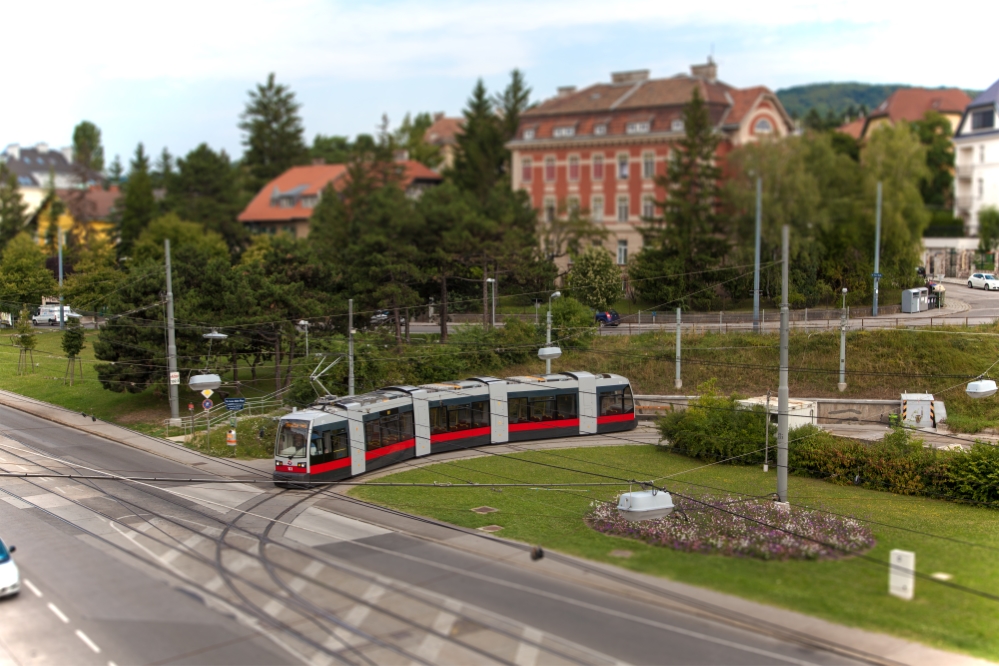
115 172
410 137
331 149
13 209
516 98
687 240
73 339
204 190
934 132
162 174
95 278
595 281
88 152
988 229
273 132
54 208
480 156
23 276
569 232
25 339
139 204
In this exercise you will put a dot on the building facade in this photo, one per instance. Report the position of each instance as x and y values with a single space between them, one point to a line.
602 149
911 104
976 159
38 167
444 134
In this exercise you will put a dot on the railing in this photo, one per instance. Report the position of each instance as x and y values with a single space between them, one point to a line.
964 171
964 202
219 414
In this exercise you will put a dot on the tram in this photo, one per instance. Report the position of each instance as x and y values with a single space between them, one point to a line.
338 438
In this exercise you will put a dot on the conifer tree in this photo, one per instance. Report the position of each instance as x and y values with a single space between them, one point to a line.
480 157
88 153
115 172
139 205
13 209
204 190
24 338
273 133
73 339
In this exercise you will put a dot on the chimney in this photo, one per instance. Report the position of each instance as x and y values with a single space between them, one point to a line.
401 155
317 161
438 116
564 91
42 148
67 152
13 151
632 76
707 71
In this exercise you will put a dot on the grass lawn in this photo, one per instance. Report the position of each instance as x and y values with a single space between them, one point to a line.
848 591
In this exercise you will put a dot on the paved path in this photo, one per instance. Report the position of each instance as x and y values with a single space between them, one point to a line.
245 573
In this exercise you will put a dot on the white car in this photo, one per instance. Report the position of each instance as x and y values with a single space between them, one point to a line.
10 577
50 315
985 281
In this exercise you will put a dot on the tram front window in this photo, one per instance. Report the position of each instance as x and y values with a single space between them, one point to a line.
292 439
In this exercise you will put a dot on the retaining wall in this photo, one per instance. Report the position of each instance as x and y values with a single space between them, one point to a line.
829 410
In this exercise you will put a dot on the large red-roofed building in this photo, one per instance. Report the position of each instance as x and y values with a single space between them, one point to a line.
601 148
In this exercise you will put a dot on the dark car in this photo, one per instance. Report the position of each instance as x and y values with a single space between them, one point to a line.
608 318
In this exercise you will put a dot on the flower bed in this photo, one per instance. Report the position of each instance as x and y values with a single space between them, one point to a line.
728 526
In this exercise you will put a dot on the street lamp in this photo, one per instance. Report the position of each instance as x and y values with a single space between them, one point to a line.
493 280
549 352
306 325
842 345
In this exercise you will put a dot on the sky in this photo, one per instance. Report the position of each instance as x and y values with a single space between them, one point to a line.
177 74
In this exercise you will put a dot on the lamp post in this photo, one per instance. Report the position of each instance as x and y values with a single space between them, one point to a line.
305 324
493 281
548 337
842 345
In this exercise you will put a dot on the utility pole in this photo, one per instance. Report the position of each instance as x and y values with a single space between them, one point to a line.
494 302
171 337
877 252
350 346
782 390
678 383
842 345
548 339
766 437
62 312
756 270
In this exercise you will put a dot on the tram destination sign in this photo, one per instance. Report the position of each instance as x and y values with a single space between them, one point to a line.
235 404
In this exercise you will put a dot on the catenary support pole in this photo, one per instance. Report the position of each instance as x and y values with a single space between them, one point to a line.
877 252
766 437
62 311
756 270
678 383
171 337
782 390
350 346
494 301
842 345
548 339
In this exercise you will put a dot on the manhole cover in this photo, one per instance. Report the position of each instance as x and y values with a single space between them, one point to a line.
621 553
484 509
491 528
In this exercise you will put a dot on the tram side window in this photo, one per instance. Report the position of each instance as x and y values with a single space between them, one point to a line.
543 409
518 410
565 407
480 414
389 429
330 445
438 420
617 402
372 435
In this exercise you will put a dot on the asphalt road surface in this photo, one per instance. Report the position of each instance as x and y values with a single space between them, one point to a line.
243 573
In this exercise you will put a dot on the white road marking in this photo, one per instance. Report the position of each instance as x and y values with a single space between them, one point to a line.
86 639
189 544
31 586
276 605
354 617
111 663
527 655
58 613
431 646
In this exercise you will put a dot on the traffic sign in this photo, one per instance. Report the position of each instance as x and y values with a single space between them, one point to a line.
877 275
190 406
235 404
207 404
207 393
174 378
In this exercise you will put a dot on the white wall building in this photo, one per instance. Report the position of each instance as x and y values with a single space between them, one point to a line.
976 152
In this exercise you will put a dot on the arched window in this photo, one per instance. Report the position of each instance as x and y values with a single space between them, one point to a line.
763 126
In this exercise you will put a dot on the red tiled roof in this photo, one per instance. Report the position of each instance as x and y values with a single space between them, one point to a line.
94 203
743 101
310 181
854 128
913 103
444 131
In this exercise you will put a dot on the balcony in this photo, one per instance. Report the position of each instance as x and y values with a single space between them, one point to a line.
964 202
964 171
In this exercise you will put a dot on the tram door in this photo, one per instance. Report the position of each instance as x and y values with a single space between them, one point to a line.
357 447
498 413
421 419
587 402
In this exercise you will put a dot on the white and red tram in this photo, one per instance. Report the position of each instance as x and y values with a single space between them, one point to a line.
344 437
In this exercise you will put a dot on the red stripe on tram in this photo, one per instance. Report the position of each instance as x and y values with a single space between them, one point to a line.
330 466
460 434
290 468
391 448
544 425
615 418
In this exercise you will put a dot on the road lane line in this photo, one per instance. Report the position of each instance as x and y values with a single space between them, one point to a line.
431 646
31 586
58 613
86 639
527 655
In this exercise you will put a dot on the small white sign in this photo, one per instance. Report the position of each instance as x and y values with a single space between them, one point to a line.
174 378
207 393
902 574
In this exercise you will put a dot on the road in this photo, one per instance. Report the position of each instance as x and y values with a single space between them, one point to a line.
243 573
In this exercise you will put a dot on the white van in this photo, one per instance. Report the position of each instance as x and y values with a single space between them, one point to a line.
49 314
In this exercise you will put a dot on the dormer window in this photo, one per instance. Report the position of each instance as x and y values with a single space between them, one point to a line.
763 126
676 125
982 120
600 129
640 127
528 134
564 132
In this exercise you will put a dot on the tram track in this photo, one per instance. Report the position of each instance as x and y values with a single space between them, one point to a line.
292 599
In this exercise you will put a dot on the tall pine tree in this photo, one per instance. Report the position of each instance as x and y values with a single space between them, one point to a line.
273 133
88 152
138 205
481 155
204 190
13 210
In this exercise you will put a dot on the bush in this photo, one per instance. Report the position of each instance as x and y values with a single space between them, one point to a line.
572 323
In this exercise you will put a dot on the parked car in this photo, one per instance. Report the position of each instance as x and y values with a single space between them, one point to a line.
10 577
609 318
985 281
49 314
386 318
